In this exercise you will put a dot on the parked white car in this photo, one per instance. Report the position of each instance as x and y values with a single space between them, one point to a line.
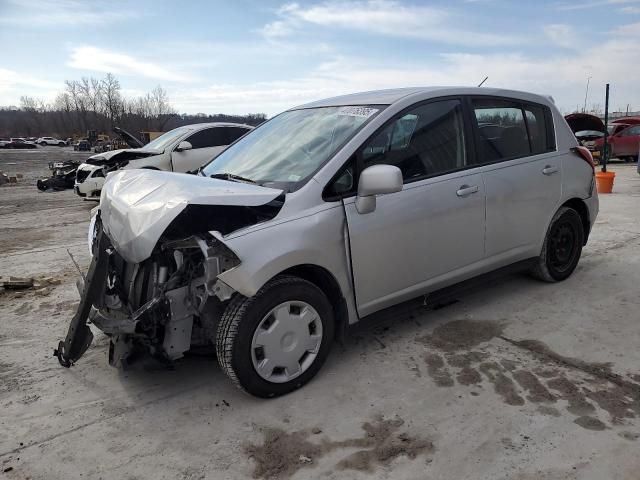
50 141
183 149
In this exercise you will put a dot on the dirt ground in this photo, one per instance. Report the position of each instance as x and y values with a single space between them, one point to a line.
515 380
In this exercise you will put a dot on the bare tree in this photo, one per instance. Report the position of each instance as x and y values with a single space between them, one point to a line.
111 98
98 104
74 90
160 108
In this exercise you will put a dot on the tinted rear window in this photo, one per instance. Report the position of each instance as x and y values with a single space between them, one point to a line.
512 129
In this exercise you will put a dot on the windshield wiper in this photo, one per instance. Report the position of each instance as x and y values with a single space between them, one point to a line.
232 177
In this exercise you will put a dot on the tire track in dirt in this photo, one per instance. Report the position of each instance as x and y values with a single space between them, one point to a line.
457 352
282 454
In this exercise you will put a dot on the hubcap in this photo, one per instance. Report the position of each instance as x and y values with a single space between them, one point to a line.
562 246
286 342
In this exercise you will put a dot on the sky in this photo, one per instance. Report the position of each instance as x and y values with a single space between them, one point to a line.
264 56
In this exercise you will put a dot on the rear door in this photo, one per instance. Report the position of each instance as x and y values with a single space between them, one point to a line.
432 231
522 175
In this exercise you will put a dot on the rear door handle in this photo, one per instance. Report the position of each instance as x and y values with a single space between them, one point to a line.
549 170
466 190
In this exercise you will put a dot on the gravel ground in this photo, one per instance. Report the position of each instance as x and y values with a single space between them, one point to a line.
515 380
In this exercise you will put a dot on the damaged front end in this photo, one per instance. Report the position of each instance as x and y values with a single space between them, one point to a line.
157 251
166 305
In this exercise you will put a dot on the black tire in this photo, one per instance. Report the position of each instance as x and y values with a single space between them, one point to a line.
562 247
61 144
243 316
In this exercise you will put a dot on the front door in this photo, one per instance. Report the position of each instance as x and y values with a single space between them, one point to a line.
206 144
626 143
432 232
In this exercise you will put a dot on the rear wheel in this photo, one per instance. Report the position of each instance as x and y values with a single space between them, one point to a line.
562 247
276 341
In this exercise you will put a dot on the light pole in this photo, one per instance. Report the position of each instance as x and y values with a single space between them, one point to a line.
586 93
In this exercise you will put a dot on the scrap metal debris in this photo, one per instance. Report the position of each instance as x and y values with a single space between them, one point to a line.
16 283
63 176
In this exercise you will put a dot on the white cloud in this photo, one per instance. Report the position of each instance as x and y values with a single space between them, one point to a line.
14 84
384 17
102 60
562 35
561 74
278 29
44 13
583 5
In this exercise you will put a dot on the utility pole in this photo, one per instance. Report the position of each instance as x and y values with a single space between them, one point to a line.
586 94
605 156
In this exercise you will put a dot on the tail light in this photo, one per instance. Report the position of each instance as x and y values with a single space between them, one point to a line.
585 154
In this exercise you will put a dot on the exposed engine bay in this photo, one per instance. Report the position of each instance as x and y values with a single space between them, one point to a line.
166 304
62 176
171 300
119 157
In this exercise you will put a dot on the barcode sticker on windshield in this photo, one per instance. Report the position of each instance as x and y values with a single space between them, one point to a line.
364 112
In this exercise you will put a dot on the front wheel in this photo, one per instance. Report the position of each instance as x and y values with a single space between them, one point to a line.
562 247
276 341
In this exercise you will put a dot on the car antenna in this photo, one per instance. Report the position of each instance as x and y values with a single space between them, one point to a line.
485 79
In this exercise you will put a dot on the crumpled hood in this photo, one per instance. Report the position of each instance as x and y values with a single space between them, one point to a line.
106 157
137 206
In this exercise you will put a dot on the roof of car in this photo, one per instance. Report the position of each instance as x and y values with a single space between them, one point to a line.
391 96
627 120
216 124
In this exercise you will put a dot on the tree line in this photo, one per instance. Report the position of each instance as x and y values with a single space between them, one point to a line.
99 104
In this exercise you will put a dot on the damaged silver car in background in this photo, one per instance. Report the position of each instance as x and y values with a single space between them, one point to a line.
326 214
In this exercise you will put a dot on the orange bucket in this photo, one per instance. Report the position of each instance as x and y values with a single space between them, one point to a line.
604 181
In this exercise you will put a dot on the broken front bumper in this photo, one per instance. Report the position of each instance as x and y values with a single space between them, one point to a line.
166 304
79 336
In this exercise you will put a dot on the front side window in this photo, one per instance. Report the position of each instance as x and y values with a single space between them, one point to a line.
427 140
209 137
285 151
344 183
630 132
231 134
166 139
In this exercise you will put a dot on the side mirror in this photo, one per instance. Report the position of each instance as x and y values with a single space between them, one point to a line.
183 145
376 180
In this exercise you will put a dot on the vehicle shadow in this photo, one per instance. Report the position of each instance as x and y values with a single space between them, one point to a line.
408 319
403 321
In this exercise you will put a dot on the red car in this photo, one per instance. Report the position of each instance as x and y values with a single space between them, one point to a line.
624 139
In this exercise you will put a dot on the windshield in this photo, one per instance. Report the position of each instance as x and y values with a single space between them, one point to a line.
289 148
166 139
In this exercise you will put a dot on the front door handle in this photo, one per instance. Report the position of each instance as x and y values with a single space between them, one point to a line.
549 170
466 190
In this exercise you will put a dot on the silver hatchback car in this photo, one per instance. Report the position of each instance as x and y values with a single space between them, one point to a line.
322 216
